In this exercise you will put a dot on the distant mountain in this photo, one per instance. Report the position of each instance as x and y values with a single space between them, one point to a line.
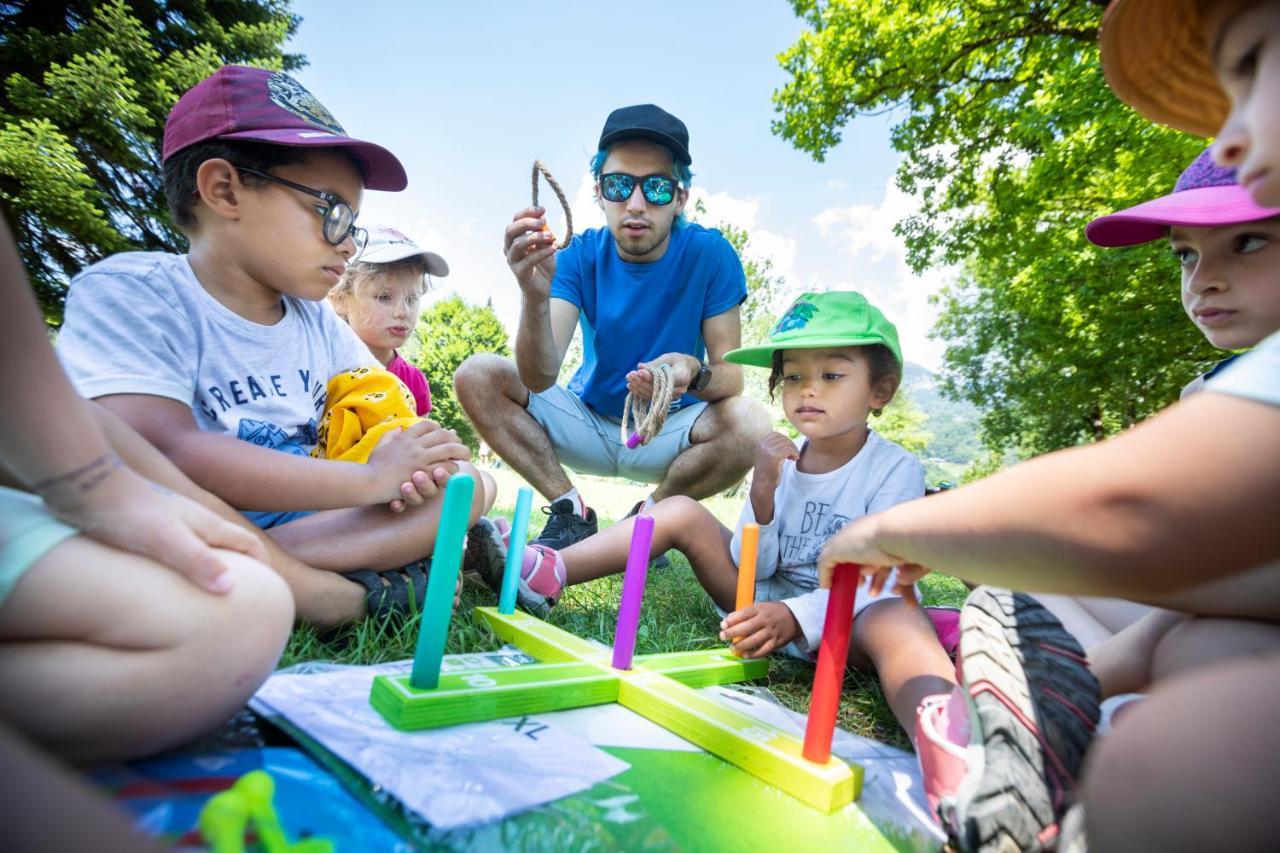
953 424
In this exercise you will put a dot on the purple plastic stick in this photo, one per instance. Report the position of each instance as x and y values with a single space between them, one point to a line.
624 639
634 441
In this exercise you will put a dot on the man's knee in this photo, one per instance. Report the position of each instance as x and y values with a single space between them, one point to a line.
737 424
744 419
481 378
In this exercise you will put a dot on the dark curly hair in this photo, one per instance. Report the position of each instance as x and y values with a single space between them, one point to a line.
879 356
180 169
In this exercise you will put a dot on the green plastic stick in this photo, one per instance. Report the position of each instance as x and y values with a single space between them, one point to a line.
515 551
223 820
259 791
437 610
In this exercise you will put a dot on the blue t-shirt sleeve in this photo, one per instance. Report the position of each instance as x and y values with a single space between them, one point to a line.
728 286
567 284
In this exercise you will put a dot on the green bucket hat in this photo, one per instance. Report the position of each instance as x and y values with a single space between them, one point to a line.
842 318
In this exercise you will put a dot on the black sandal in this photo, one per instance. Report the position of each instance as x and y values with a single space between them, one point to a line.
390 592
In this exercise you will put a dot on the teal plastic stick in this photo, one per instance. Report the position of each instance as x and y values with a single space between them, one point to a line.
446 562
515 551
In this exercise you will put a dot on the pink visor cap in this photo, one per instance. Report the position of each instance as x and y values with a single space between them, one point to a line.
237 102
1206 196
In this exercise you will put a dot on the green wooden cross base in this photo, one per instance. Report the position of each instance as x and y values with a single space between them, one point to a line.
574 673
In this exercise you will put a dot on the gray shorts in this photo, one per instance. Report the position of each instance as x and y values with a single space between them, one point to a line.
589 443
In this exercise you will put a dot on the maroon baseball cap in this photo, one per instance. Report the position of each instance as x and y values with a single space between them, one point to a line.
237 102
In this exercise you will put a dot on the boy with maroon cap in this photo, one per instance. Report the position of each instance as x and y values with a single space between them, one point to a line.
220 357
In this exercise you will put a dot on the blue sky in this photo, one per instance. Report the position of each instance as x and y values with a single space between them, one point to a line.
468 94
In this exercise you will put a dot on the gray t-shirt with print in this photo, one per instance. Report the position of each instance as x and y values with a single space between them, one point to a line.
141 323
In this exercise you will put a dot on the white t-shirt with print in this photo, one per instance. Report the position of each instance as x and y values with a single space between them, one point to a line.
808 509
1255 375
141 323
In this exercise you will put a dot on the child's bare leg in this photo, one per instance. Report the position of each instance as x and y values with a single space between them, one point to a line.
369 537
1192 766
490 489
679 522
1123 663
899 644
107 655
1078 621
323 599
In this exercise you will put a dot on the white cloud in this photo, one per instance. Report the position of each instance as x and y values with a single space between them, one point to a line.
586 213
864 233
722 208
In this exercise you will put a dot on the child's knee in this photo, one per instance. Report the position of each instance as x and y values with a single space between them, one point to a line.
680 509
259 605
478 495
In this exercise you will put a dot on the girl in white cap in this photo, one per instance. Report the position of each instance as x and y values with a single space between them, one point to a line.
379 295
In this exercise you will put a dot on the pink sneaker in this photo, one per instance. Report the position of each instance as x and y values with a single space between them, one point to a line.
1020 723
942 738
542 577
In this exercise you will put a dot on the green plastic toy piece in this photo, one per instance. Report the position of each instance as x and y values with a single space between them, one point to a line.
227 815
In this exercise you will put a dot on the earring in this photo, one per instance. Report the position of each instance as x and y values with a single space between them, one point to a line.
877 412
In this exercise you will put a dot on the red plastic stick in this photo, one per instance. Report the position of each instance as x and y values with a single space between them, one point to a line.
833 653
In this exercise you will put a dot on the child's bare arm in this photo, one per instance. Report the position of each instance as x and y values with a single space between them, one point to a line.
1188 496
256 478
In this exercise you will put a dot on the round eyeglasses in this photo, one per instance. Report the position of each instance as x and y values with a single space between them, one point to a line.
339 217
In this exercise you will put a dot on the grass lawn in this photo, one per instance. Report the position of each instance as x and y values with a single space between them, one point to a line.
677 616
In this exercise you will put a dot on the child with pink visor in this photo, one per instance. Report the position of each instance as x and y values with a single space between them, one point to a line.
1228 247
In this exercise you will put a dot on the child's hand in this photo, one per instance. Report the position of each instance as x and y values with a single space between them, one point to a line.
757 630
409 466
855 543
771 452
133 514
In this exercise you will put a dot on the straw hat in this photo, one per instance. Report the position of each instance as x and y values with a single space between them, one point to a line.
1156 60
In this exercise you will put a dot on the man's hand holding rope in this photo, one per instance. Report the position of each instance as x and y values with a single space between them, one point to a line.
683 367
530 248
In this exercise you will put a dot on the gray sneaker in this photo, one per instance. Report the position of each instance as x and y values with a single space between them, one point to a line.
486 552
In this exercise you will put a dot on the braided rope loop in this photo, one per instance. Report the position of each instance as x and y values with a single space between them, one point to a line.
649 416
538 168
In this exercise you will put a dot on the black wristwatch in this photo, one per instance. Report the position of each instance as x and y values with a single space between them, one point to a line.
703 379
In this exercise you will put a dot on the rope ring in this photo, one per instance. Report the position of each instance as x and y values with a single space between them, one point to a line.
648 416
564 203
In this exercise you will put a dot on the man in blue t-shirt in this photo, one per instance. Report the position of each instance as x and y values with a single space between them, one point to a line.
648 290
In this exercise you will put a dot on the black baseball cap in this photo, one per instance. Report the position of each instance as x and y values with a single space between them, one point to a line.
647 121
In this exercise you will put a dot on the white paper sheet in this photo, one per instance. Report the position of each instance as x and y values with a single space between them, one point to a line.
453 777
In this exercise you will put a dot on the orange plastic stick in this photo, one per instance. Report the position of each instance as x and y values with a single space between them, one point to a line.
833 653
747 566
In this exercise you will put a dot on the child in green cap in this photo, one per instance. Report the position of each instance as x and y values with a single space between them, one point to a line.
836 360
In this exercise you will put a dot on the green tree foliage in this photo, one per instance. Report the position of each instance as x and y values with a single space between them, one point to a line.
86 90
903 422
447 333
1011 142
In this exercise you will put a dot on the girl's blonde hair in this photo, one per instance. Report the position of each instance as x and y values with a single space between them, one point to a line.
360 277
